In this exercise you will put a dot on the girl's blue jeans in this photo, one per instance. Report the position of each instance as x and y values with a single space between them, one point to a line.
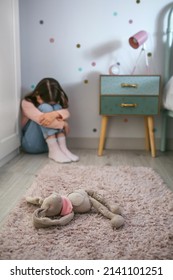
34 135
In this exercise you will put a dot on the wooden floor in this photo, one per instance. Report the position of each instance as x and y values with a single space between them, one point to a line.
17 175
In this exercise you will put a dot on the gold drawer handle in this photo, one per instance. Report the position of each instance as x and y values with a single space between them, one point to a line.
127 105
129 85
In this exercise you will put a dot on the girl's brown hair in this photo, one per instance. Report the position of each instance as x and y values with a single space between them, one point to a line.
49 90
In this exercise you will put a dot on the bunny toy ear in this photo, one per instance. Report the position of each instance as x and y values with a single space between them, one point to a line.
40 221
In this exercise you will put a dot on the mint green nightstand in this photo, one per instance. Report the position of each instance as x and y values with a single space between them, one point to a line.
130 95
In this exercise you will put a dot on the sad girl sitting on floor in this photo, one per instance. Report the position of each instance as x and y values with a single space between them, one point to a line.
44 121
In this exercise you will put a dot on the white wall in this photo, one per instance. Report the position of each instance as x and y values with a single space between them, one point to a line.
10 84
50 33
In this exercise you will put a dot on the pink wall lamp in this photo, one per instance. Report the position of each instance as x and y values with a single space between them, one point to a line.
135 42
138 39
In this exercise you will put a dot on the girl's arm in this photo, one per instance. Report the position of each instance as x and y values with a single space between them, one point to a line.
53 119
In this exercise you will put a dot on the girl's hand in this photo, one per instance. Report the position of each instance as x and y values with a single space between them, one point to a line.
48 118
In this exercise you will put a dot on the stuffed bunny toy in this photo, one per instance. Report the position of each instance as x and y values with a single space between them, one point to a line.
59 210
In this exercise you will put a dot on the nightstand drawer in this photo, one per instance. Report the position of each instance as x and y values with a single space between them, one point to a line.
129 105
129 85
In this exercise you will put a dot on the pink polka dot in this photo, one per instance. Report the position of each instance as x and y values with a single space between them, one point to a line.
93 64
52 40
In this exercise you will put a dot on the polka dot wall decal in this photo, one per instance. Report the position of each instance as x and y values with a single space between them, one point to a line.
93 64
115 14
94 129
130 21
78 46
149 54
80 69
51 40
32 86
138 1
86 81
41 22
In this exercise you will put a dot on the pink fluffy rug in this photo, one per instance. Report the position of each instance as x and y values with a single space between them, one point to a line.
147 207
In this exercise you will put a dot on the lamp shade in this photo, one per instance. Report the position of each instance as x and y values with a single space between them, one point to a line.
138 39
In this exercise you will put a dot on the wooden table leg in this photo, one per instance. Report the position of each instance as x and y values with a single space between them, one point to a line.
147 140
102 134
151 135
163 131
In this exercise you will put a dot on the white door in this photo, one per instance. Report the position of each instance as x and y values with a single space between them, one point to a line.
9 77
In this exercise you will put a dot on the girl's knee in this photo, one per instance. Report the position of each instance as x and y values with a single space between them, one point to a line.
57 106
45 108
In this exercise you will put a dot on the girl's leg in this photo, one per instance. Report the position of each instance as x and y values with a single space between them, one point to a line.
46 108
61 140
56 107
32 140
55 152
